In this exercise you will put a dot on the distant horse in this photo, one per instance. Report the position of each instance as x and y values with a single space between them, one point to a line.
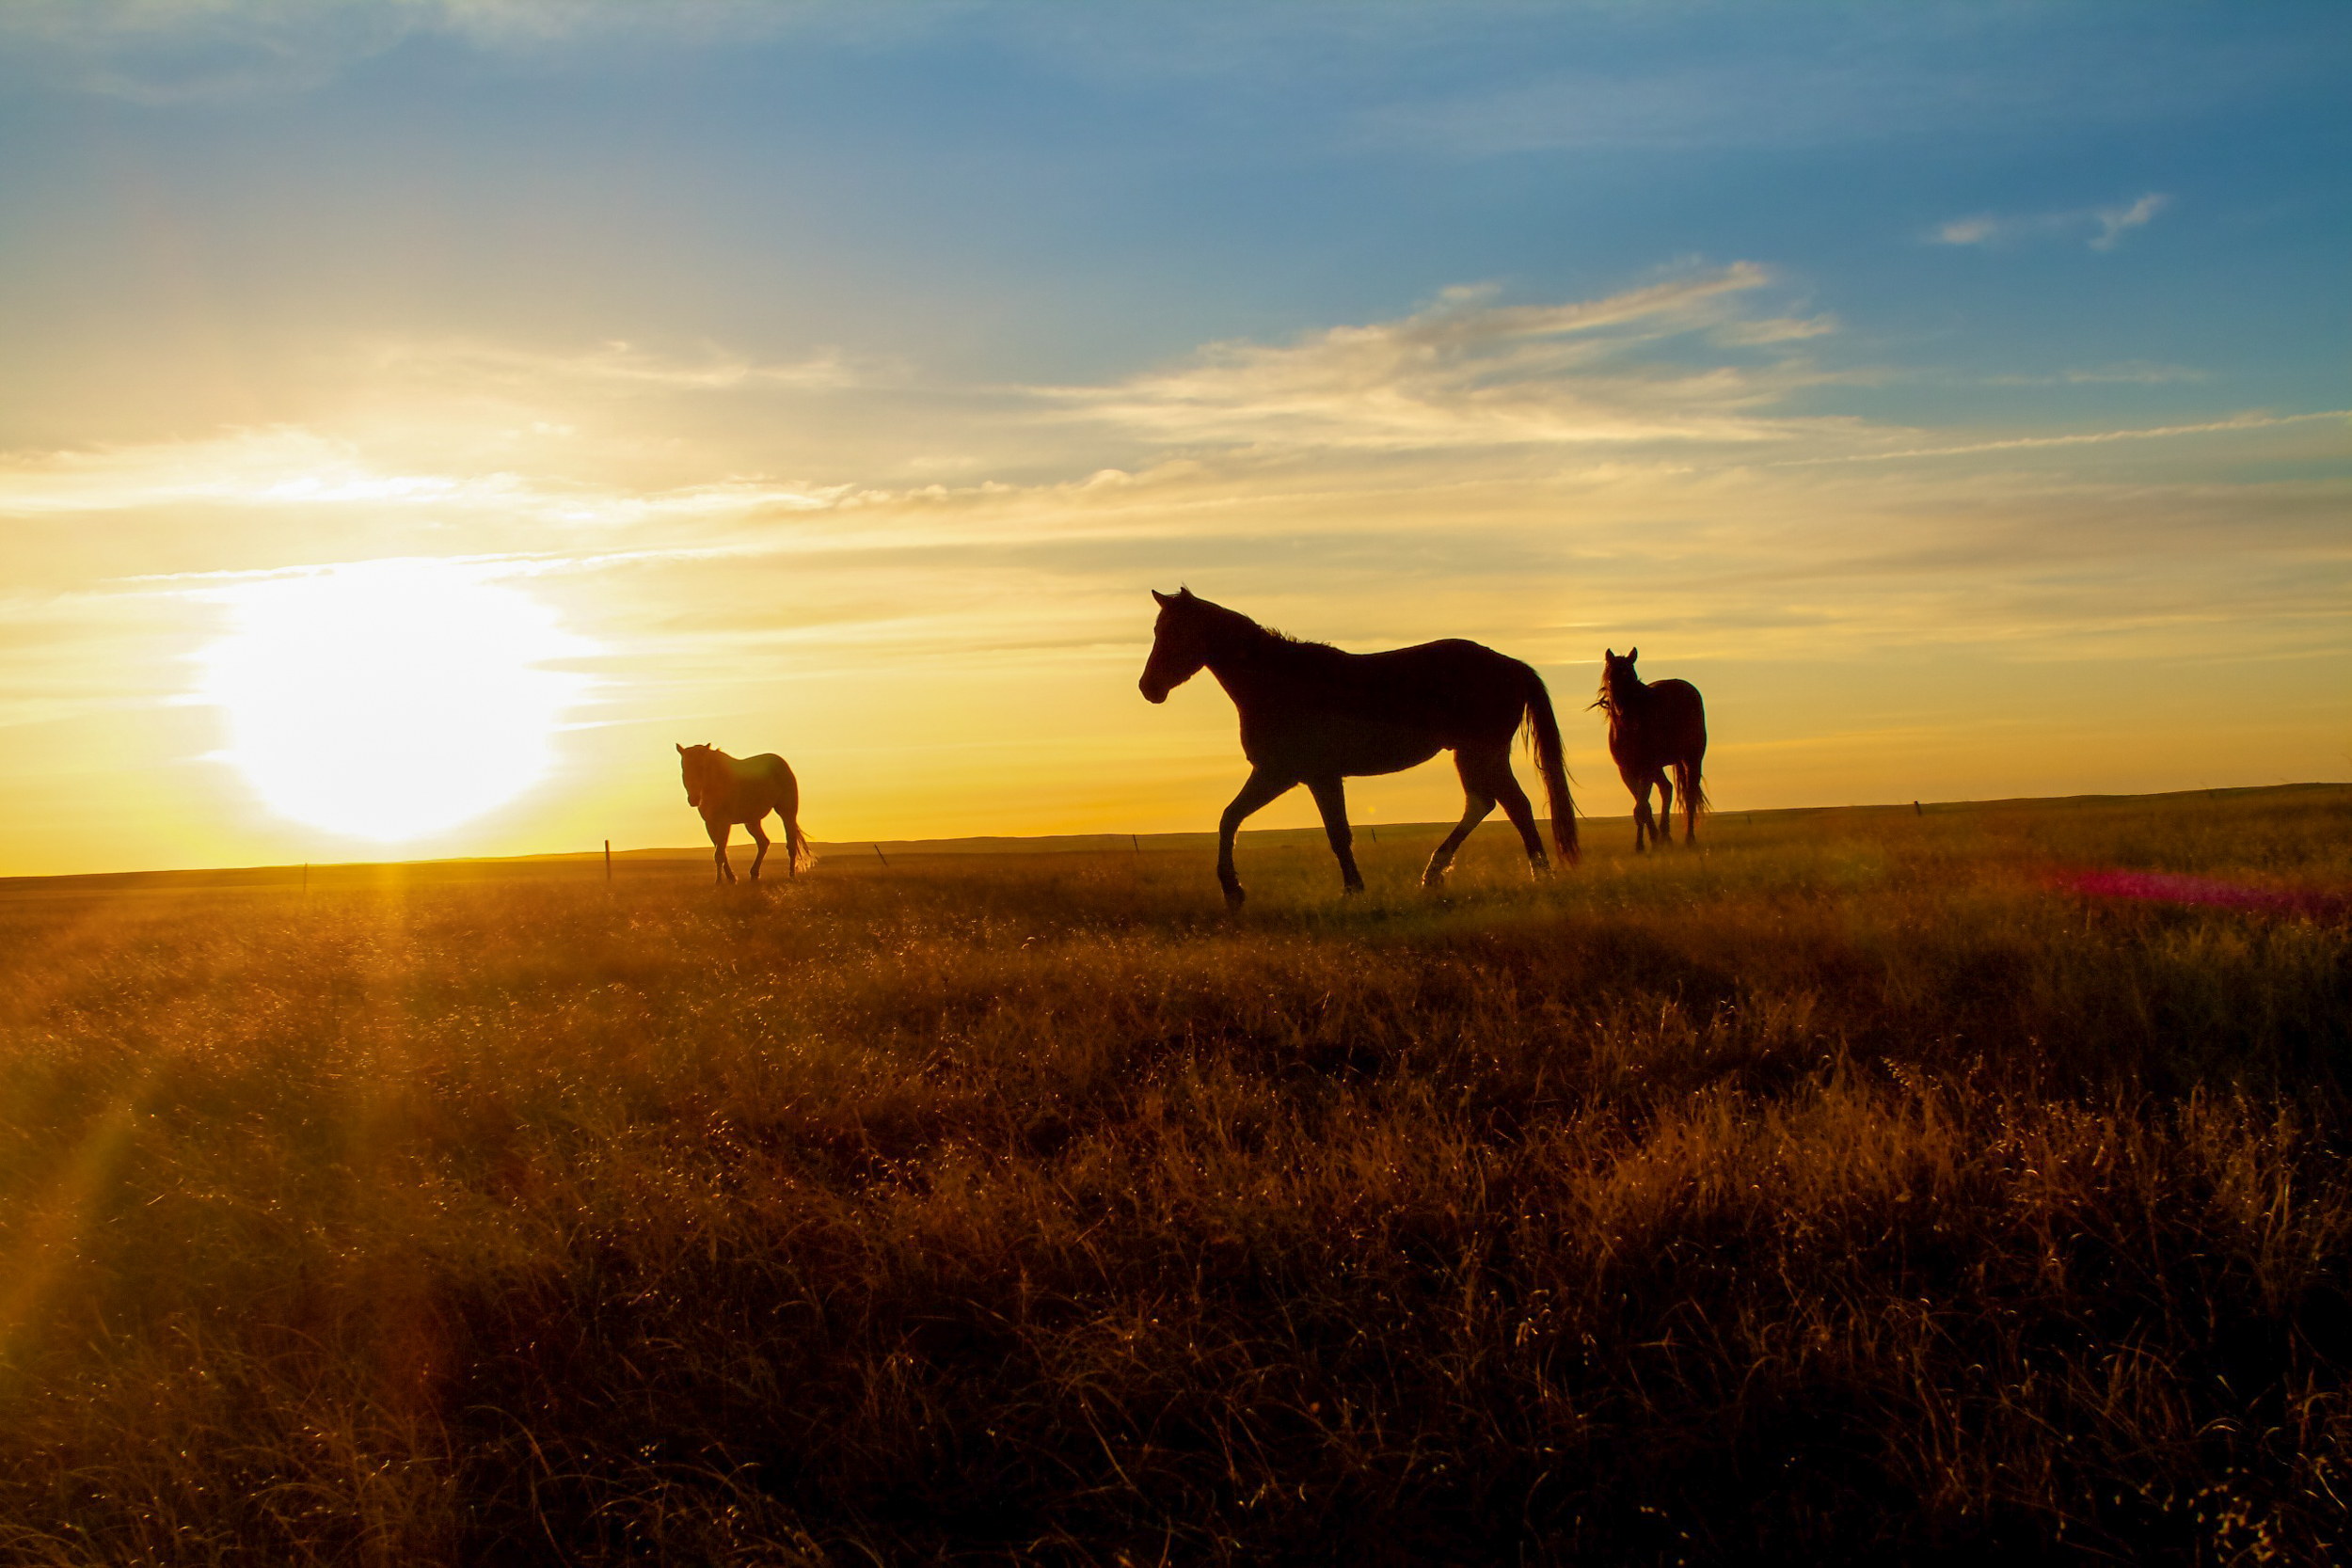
1313 715
727 790
1651 728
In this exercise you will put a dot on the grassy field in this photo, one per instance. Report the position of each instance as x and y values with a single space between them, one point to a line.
1856 1189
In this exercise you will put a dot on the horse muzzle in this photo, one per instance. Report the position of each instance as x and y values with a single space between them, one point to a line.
1152 693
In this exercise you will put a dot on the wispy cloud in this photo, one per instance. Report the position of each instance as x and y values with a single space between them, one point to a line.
1468 372
162 52
2082 439
617 366
2114 222
257 470
2135 373
2100 227
1774 329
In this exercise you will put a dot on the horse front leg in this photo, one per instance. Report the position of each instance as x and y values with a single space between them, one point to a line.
1645 825
1331 800
719 831
1260 789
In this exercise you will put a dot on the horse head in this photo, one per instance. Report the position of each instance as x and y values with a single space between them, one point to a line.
1617 680
1180 644
694 763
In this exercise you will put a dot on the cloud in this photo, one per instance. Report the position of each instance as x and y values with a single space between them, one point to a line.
1976 230
2084 438
1994 231
2114 221
158 52
616 366
2135 373
165 52
270 469
1774 329
1470 372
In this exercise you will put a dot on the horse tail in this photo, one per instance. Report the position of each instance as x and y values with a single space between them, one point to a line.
1689 784
788 806
1543 738
1688 776
795 841
1694 787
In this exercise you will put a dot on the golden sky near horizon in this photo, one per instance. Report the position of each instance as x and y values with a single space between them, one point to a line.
538 542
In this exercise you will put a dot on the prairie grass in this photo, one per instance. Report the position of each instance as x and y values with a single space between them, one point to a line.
1848 1191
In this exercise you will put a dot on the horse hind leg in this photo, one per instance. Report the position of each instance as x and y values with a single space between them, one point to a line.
1662 831
1494 777
759 836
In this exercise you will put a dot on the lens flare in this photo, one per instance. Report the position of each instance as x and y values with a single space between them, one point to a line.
391 699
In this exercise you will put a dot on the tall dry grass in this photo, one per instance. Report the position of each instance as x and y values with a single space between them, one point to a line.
1846 1192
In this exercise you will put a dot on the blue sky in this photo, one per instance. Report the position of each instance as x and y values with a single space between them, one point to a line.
1062 192
849 255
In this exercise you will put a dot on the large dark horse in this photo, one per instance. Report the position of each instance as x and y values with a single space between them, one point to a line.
1313 715
1651 728
727 790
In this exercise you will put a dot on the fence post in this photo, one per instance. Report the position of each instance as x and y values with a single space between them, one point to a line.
608 863
880 856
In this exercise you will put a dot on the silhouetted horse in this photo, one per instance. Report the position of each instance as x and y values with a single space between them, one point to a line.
1313 715
727 790
1652 728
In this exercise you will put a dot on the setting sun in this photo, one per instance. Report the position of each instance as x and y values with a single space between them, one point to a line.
391 699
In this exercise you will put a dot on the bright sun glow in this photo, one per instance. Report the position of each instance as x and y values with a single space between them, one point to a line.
390 699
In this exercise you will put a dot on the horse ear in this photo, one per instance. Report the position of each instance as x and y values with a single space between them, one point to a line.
681 751
1609 653
1632 654
1160 596
1183 593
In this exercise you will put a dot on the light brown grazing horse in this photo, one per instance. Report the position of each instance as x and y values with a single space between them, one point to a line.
727 790
1651 728
1313 715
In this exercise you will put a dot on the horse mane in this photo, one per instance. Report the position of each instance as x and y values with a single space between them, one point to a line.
1235 621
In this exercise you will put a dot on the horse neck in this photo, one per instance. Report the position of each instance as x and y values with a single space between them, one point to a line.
716 786
1240 654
